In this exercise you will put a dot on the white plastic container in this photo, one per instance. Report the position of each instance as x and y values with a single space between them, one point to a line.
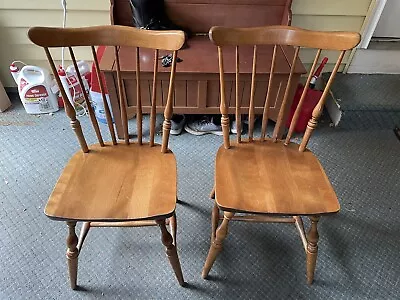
84 70
97 98
74 90
34 87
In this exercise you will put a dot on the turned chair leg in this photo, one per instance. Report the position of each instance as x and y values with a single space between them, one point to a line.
173 227
312 248
216 245
171 251
214 221
72 253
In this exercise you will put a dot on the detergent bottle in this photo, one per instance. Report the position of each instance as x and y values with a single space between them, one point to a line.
34 88
84 70
74 90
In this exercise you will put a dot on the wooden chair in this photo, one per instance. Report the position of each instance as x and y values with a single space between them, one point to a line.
127 184
267 179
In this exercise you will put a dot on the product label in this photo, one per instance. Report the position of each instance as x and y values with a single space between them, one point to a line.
38 95
76 92
22 84
35 93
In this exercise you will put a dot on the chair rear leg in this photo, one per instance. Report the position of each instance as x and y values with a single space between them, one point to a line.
214 221
312 248
72 253
82 236
173 227
170 249
216 246
212 194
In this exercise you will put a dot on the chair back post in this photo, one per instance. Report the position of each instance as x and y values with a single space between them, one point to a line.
69 109
169 106
117 37
92 116
317 111
121 96
223 105
153 100
281 36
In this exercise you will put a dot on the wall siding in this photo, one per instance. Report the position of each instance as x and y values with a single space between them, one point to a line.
17 16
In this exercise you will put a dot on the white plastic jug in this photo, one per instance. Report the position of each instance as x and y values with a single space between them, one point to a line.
83 67
34 87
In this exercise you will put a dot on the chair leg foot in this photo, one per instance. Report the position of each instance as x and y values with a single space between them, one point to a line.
171 251
217 244
312 248
72 254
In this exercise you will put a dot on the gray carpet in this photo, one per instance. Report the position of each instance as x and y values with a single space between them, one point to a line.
367 92
359 247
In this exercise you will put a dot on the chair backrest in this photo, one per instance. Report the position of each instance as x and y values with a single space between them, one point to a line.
278 36
116 36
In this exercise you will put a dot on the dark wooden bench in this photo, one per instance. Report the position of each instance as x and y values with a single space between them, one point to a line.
197 79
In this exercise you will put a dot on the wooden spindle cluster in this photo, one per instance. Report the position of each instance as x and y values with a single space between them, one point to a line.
268 97
103 95
92 116
69 108
285 100
122 99
303 96
278 37
252 92
316 114
89 37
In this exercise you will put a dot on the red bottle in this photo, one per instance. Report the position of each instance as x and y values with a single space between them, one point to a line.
310 101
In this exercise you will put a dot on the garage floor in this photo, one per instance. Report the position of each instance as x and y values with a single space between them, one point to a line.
359 247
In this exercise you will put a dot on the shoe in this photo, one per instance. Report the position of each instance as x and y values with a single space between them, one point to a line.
245 120
177 123
203 126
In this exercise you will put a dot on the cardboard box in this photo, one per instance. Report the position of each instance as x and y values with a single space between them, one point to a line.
4 100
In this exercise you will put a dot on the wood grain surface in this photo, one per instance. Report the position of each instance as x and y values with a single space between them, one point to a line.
270 178
115 183
284 35
106 35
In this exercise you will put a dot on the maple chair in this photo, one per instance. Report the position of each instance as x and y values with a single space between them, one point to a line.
118 184
268 179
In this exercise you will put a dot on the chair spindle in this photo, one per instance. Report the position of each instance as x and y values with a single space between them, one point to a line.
92 116
238 114
303 96
103 95
312 123
169 105
139 121
268 97
223 106
153 100
285 97
69 108
121 93
252 92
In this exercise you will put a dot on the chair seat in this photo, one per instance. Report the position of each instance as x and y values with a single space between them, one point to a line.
271 178
115 183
